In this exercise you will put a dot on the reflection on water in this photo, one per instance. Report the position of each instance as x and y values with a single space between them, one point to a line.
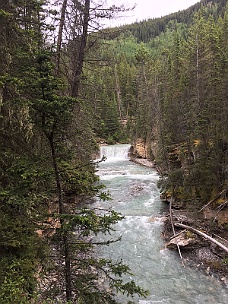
135 195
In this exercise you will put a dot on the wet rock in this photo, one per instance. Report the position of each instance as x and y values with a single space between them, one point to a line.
136 190
143 162
182 240
200 253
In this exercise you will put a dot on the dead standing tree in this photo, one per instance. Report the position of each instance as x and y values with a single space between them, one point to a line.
73 31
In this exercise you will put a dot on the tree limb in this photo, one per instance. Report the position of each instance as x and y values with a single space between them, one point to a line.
203 235
172 224
213 200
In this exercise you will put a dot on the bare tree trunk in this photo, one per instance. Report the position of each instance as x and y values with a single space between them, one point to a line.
1 97
197 70
204 235
213 200
60 36
118 92
172 224
77 70
67 261
81 53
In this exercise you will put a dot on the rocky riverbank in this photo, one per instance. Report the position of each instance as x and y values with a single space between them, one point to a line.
143 162
194 250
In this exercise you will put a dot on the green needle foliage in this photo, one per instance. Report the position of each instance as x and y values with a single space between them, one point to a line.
163 82
48 183
170 82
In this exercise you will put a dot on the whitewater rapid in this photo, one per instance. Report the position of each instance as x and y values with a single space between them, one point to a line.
135 194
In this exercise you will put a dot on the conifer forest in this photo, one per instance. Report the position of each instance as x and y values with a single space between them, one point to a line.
68 84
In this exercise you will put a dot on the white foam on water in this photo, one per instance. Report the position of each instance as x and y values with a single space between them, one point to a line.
109 177
150 202
115 153
152 302
151 176
134 192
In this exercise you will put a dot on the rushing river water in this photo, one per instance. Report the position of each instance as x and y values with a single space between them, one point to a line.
135 194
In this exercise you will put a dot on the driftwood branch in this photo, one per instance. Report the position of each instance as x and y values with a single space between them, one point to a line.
171 216
204 235
213 200
173 228
177 234
219 237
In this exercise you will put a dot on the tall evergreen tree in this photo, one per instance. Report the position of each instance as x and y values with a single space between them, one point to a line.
46 173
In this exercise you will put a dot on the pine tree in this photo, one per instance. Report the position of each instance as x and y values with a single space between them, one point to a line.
46 173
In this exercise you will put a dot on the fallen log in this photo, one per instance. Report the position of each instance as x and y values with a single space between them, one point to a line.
213 200
203 234
174 232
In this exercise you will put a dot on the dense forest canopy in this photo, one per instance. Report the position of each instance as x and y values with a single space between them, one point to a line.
170 90
65 86
47 142
147 29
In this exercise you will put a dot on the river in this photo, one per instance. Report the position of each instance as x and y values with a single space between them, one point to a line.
135 194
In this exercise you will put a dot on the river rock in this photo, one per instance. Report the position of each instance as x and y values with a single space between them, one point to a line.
144 162
181 240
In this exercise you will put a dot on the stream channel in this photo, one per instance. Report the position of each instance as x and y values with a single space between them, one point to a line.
135 195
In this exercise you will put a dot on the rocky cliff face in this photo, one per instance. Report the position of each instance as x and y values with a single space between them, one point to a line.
143 149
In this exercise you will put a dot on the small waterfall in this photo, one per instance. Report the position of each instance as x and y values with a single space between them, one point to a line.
115 152
135 195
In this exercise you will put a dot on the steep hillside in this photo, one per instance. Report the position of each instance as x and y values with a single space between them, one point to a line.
145 30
